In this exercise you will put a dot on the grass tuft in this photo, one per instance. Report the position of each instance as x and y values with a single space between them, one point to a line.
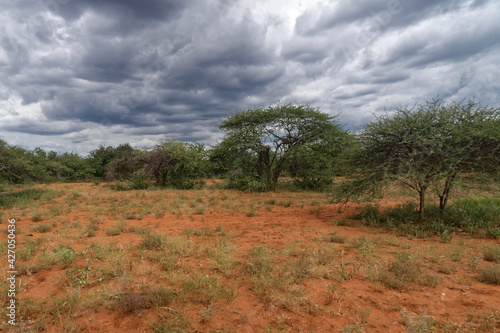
151 241
334 238
490 274
42 227
400 274
492 253
131 302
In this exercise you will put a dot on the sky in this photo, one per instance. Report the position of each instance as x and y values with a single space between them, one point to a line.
76 74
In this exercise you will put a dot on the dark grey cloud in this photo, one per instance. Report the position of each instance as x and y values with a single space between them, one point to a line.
76 74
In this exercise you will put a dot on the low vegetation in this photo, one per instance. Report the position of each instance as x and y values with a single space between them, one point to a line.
165 249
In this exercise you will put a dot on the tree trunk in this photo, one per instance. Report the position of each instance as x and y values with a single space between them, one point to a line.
443 198
164 178
264 164
421 206
277 170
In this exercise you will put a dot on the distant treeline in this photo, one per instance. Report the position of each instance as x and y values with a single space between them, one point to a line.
422 147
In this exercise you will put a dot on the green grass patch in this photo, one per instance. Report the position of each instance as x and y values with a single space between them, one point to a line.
151 241
477 216
26 197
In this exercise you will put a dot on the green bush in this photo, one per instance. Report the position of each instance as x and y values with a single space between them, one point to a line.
477 216
248 183
309 183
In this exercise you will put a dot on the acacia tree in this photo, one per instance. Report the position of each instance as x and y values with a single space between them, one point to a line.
427 147
274 135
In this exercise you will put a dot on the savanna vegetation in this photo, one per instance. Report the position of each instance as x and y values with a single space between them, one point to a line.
289 223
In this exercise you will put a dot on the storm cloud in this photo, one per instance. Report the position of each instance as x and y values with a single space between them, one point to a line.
77 74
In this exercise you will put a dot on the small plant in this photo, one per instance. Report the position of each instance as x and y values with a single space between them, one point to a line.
220 230
325 255
367 246
252 211
400 274
29 248
65 255
27 269
42 227
90 230
342 222
315 210
492 253
353 328
447 268
152 241
270 201
161 296
172 323
205 288
207 313
223 257
82 277
430 280
260 261
37 217
417 324
344 273
167 262
301 268
285 204
64 304
131 302
331 293
116 229
203 232
333 237
490 274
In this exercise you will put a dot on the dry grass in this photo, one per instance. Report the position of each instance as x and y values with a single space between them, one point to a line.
490 274
492 253
184 271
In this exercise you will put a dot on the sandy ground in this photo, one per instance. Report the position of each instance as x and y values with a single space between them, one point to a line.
344 293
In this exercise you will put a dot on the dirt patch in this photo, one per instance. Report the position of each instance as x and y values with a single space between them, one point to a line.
209 260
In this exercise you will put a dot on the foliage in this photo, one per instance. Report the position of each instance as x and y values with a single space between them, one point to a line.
18 165
74 167
264 142
171 163
82 277
477 216
175 163
426 147
313 166
101 157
